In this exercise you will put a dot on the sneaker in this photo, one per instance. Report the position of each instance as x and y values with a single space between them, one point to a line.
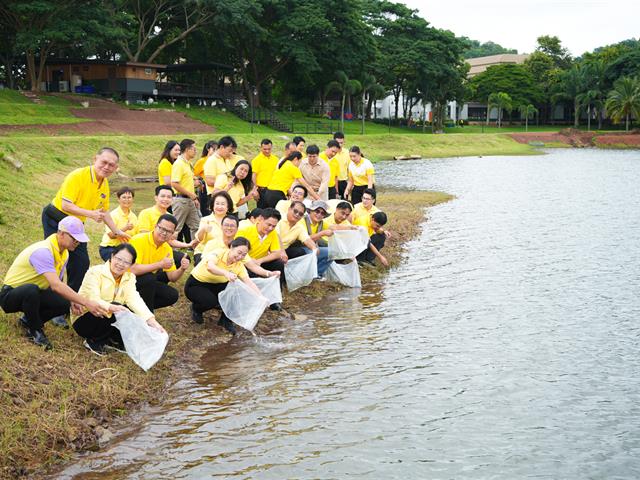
39 338
276 307
22 321
60 321
196 316
115 345
228 325
94 347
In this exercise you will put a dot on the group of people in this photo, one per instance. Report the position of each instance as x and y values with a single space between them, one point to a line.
302 198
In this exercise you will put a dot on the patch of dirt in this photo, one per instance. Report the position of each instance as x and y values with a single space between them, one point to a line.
579 138
109 117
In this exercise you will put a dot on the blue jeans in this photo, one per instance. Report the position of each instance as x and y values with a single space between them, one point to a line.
323 259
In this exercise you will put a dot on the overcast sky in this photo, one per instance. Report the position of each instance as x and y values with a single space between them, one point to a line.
580 25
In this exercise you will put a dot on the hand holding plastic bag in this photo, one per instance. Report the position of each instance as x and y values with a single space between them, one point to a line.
144 344
347 274
270 288
242 305
300 272
344 244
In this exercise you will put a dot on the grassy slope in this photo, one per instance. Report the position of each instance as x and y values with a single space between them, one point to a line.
49 401
16 109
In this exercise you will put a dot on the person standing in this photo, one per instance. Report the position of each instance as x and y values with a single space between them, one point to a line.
286 174
169 155
33 284
263 166
316 172
360 175
84 193
198 170
342 157
329 156
154 267
186 206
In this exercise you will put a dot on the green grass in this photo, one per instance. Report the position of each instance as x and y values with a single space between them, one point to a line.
16 109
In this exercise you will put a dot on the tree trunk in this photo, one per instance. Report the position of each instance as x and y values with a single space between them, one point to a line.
488 112
589 118
363 103
526 123
576 115
342 113
31 69
626 123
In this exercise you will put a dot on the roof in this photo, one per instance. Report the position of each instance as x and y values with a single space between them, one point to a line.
480 64
84 61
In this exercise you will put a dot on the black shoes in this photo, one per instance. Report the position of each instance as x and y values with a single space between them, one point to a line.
95 347
276 307
60 321
116 345
196 316
227 325
37 336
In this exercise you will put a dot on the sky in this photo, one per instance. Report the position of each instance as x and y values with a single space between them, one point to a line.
580 25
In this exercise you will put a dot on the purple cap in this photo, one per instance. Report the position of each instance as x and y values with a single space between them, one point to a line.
74 227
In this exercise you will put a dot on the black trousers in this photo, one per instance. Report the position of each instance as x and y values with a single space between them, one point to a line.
37 305
262 192
203 296
97 329
356 193
154 289
272 266
377 239
342 184
272 197
332 193
296 249
78 263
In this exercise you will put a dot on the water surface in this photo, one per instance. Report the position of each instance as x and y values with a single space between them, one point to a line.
506 346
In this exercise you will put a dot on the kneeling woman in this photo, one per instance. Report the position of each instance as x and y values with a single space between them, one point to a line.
211 276
114 287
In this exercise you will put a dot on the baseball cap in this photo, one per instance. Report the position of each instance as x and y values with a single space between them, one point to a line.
74 227
316 204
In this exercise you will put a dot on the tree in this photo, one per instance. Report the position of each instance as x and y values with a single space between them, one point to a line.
552 46
587 100
527 111
346 87
624 100
502 101
370 88
573 82
514 80
476 49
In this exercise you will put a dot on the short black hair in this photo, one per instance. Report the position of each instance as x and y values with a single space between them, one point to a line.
231 217
333 143
128 247
227 141
186 143
169 218
240 242
255 213
271 213
380 218
159 188
297 139
344 205
313 150
370 191
266 141
124 190
304 189
338 135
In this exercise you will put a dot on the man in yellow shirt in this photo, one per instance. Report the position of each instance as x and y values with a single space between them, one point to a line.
33 284
84 193
263 166
186 206
154 267
343 159
329 156
377 235
220 162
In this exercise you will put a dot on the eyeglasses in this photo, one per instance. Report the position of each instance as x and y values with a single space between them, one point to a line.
320 212
298 213
164 231
119 260
75 242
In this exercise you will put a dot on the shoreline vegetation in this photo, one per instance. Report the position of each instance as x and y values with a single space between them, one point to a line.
53 404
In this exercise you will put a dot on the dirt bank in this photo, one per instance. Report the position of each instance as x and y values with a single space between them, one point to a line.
579 138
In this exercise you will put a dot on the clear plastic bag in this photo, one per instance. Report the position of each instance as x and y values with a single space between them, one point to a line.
270 288
300 272
144 344
242 305
344 244
347 274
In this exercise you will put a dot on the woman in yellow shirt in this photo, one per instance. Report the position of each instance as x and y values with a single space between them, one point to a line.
113 286
360 175
124 219
211 276
210 226
287 172
198 171
169 155
239 185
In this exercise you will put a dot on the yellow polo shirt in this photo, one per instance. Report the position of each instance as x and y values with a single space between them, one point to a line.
216 231
164 170
334 168
182 173
236 192
289 234
282 206
331 220
198 168
364 221
34 261
264 167
284 177
220 257
120 220
360 172
259 247
343 160
216 165
147 219
360 211
148 252
82 188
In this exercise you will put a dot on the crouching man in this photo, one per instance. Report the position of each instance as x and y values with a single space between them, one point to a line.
33 284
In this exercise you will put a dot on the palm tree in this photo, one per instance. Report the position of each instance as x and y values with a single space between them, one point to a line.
624 100
502 101
527 111
590 98
370 89
573 82
346 87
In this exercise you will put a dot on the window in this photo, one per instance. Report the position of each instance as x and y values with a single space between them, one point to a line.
147 71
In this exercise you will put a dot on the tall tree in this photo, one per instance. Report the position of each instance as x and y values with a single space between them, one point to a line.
476 49
502 101
573 82
526 112
514 80
624 100
346 87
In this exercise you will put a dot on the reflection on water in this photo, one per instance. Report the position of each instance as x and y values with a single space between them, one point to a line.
505 347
